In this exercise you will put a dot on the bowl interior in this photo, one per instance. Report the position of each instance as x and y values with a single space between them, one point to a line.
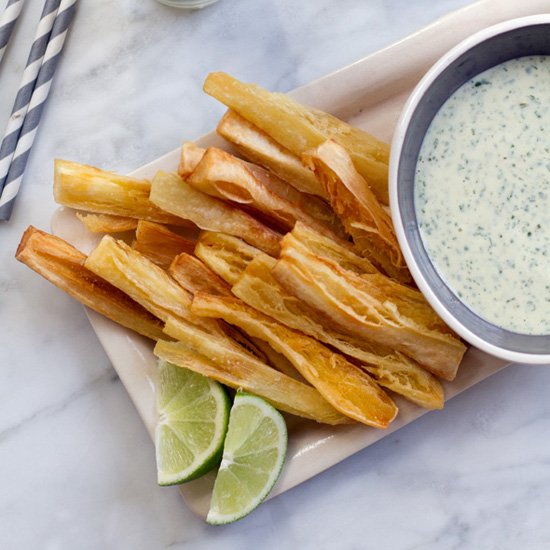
523 41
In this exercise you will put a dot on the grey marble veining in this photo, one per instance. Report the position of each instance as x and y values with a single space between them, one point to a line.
77 467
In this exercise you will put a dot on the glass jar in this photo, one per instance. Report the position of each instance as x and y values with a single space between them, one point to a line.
188 4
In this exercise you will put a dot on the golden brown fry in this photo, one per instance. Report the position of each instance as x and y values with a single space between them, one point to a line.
350 196
195 276
335 250
63 265
258 147
159 244
361 307
245 343
145 282
106 223
406 377
170 192
278 360
299 128
223 361
227 177
258 288
267 383
227 256
410 301
87 188
190 156
249 271
346 387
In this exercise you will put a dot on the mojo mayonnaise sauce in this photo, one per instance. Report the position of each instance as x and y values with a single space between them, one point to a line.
482 194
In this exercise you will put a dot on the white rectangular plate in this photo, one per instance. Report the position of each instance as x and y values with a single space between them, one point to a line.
369 94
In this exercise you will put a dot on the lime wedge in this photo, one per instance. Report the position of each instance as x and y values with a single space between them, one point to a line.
193 416
253 456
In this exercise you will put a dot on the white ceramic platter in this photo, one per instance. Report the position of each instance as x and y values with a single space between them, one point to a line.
369 94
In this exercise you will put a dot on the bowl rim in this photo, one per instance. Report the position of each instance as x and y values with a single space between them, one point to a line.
396 150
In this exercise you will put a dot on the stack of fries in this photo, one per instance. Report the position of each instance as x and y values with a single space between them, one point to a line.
278 272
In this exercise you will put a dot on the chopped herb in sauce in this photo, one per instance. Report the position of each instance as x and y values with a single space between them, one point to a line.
482 194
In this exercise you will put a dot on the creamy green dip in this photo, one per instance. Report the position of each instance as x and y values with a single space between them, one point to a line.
482 194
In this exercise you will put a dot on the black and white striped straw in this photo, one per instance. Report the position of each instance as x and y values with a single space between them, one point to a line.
38 99
8 19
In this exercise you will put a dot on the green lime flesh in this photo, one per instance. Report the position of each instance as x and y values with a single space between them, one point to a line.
193 414
253 457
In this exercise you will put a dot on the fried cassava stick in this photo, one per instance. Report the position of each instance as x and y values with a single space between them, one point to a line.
226 255
393 370
299 128
190 156
216 358
350 196
363 309
195 276
227 177
346 387
156 242
63 265
145 282
258 147
170 192
87 188
106 223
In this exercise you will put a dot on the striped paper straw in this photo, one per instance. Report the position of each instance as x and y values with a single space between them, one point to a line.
36 106
7 23
26 86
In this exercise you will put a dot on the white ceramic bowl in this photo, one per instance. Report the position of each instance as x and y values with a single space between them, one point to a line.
485 49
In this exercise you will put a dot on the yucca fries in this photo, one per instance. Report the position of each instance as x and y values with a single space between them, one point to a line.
258 288
361 308
346 387
289 282
106 223
249 271
409 301
335 250
190 156
159 244
278 360
258 147
145 282
225 255
171 193
222 361
247 344
350 196
227 177
63 265
299 128
195 276
87 188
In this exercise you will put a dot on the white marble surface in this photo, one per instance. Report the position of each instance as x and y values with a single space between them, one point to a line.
77 467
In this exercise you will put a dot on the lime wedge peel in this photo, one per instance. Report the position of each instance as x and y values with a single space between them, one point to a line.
253 457
193 417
